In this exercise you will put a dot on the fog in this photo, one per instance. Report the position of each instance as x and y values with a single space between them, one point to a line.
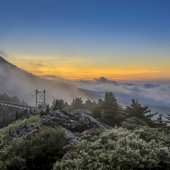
145 93
15 81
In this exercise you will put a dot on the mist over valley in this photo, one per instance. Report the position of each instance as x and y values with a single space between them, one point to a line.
15 81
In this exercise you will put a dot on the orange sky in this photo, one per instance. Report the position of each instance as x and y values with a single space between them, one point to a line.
75 68
120 40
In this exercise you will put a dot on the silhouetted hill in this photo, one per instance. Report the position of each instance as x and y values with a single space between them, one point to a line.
15 81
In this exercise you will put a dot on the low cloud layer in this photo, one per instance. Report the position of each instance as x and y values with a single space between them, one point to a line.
145 93
16 81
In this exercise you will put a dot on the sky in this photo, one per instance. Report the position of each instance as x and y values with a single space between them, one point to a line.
125 40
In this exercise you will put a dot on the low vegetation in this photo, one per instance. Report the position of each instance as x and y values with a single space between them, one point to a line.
118 149
136 141
38 150
33 120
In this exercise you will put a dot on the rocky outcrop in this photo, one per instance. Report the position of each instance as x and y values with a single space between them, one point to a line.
23 130
74 123
77 121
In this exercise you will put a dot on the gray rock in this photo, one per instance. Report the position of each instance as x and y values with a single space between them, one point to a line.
74 123
82 111
77 121
70 136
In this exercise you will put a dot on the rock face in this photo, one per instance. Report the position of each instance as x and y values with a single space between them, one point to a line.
23 130
74 123
77 121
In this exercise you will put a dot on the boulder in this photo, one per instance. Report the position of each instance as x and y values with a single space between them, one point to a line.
74 123
77 121
69 136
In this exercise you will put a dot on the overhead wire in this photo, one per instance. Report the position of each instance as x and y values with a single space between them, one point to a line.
28 99
49 98
27 94
50 95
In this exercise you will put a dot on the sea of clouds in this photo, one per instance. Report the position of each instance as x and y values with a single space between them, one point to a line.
145 93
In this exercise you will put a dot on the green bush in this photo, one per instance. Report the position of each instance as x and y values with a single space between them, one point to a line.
133 123
33 120
38 150
118 149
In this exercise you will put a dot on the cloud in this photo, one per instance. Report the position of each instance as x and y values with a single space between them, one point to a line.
38 64
127 84
105 80
101 80
49 76
149 86
145 93
15 81
3 54
55 78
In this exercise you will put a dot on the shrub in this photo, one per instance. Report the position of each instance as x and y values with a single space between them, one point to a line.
133 123
117 149
33 120
38 150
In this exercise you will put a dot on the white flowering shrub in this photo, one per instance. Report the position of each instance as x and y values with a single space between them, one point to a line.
118 149
133 122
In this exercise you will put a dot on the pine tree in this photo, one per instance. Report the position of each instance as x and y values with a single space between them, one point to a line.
109 111
88 104
160 123
47 108
168 122
3 121
77 103
139 111
16 116
59 104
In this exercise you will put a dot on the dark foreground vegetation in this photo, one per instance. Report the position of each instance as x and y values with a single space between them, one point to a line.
136 140
10 114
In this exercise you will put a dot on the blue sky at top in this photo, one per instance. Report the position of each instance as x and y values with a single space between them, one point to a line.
124 30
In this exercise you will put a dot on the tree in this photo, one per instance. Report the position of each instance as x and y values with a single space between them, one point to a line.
97 110
16 116
47 108
132 123
160 123
3 121
88 104
139 111
77 103
109 110
168 121
59 104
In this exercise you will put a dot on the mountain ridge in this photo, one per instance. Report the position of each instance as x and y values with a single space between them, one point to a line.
16 81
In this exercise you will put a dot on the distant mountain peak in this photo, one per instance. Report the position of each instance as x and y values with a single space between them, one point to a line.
2 59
